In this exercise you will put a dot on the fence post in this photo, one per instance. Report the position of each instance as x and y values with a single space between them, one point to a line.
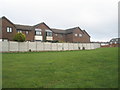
57 46
8 46
43 46
18 46
36 46
28 46
51 46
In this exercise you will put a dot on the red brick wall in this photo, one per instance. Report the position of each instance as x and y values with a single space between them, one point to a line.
69 37
5 34
84 38
30 35
59 37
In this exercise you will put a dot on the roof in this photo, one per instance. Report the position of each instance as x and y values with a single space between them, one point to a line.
70 30
115 39
8 20
24 27
58 31
86 32
42 23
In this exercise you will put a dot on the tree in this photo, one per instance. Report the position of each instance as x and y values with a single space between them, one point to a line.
20 37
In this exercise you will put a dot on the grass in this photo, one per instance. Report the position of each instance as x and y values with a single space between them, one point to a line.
66 69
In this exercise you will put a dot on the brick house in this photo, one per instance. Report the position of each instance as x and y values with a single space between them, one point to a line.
41 32
71 35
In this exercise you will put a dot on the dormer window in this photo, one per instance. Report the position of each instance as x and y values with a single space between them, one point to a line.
9 29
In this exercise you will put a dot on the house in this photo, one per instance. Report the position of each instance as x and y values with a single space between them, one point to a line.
74 35
115 42
41 32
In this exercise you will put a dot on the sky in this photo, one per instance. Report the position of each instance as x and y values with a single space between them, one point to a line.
98 17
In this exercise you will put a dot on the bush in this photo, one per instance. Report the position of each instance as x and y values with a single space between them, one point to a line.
20 37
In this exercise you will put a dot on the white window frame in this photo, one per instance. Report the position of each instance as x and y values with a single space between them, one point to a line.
9 29
27 32
76 35
49 34
56 34
80 35
39 33
19 31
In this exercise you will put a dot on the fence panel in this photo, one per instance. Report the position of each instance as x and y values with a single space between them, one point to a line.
22 46
13 46
32 46
54 47
5 46
60 46
40 46
48 46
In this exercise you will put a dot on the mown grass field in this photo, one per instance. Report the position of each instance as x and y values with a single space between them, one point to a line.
67 69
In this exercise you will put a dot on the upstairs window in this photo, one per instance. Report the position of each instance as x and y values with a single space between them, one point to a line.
9 29
80 35
48 33
19 31
38 33
76 35
27 32
56 34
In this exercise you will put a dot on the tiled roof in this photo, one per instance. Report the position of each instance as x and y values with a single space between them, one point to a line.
86 32
59 31
24 27
65 31
42 23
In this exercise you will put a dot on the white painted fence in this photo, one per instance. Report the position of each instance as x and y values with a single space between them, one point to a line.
10 46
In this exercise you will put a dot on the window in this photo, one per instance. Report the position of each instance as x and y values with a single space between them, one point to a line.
80 35
48 33
55 34
76 35
9 29
19 31
117 40
38 33
27 32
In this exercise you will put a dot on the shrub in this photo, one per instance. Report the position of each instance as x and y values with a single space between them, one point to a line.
20 37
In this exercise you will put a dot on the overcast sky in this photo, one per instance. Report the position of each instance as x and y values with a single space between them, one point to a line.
98 17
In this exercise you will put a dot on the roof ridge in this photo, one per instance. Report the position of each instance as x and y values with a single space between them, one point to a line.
23 25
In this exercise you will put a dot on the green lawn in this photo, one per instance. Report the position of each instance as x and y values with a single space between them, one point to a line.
67 69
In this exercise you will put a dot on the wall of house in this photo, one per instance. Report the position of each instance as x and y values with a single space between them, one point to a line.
59 37
5 34
69 37
10 46
43 27
30 35
85 38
